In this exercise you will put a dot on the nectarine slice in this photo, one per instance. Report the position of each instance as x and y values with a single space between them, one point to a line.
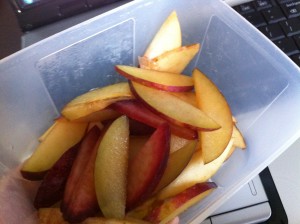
195 172
173 109
166 210
80 201
111 169
174 61
137 111
63 136
167 37
96 100
211 101
176 163
52 187
167 81
147 166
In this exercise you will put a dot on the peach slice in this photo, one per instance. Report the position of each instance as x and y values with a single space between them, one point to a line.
167 81
176 163
195 172
167 209
63 136
111 169
137 111
147 166
168 37
96 100
213 103
79 200
173 109
173 61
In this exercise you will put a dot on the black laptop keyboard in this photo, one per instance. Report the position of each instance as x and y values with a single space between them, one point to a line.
279 20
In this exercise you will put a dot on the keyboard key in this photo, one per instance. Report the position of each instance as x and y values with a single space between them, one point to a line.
256 19
296 59
297 40
287 45
291 27
262 4
278 20
273 15
291 9
245 8
273 31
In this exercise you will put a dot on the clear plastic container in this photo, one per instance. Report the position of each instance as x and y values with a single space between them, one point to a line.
260 83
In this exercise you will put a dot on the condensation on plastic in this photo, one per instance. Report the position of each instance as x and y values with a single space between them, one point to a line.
260 83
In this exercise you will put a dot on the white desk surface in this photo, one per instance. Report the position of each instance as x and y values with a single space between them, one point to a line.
285 171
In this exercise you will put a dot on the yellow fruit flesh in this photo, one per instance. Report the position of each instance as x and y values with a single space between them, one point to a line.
111 169
195 172
63 136
96 100
213 103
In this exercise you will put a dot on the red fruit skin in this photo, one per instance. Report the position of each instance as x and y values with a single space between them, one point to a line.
153 84
147 167
80 200
52 187
165 207
135 109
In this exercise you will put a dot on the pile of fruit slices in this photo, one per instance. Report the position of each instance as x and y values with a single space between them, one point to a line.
140 151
